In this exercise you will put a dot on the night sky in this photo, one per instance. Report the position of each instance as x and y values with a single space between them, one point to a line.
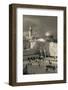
40 25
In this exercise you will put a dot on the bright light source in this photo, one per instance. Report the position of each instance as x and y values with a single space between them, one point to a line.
47 34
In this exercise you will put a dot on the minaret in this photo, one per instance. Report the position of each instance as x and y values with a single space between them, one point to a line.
30 36
30 32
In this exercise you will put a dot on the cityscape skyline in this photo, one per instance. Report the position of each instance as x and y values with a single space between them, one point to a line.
40 25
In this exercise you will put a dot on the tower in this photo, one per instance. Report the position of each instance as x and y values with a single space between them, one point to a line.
30 32
30 36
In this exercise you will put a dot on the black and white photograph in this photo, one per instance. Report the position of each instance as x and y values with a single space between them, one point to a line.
37 36
39 44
